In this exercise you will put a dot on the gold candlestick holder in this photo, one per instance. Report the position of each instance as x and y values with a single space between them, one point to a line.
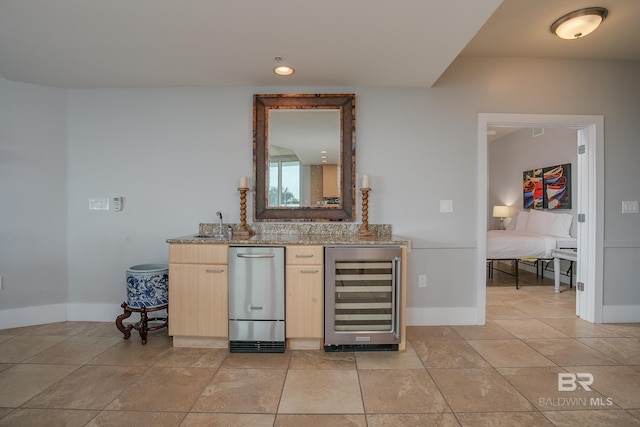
364 230
244 230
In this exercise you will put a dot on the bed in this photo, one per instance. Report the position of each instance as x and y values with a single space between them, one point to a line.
530 235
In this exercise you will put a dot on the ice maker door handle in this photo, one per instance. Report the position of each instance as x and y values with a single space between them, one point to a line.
255 255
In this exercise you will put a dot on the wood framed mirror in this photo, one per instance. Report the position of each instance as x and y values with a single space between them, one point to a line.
304 157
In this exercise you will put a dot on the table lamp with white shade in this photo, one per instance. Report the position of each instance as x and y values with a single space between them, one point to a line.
501 212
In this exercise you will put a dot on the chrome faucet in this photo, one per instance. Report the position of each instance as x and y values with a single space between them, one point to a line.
219 214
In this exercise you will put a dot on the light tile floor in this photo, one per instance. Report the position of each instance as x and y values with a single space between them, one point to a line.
502 374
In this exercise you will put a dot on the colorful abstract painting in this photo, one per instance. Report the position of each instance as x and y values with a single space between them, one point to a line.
557 186
547 188
532 189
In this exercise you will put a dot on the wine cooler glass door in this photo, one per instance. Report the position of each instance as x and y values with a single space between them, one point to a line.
362 295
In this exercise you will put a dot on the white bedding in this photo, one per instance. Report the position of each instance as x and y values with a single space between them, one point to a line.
504 244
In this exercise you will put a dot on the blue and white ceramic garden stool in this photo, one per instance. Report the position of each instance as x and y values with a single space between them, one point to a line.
147 291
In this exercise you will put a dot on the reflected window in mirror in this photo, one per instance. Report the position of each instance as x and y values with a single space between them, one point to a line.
284 182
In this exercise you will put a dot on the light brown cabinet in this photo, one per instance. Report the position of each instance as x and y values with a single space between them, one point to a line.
330 181
198 295
304 297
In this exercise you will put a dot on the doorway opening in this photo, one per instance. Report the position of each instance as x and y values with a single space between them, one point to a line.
590 185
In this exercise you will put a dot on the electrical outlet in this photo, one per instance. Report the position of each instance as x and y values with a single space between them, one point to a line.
422 281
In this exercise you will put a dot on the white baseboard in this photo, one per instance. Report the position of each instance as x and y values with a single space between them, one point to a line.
43 314
621 314
95 312
438 316
38 315
29 316
103 313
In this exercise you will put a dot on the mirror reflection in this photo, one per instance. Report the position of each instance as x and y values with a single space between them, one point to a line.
290 134
303 155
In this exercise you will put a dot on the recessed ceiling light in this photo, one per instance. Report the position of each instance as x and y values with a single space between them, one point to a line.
282 70
579 23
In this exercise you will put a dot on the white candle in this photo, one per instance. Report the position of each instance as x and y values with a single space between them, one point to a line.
243 182
365 181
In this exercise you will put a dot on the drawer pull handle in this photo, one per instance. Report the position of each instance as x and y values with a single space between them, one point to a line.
214 271
309 271
304 256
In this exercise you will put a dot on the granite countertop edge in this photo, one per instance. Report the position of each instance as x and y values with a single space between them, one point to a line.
289 239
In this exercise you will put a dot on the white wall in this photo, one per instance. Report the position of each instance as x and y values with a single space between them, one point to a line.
33 202
176 155
520 151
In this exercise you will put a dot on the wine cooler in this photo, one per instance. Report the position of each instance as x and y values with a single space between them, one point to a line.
362 298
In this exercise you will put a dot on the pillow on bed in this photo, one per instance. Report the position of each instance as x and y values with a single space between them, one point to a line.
549 224
510 223
521 219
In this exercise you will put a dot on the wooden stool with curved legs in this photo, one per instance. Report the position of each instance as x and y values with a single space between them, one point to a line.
141 326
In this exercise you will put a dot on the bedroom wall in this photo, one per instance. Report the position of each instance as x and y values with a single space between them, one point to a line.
176 154
519 151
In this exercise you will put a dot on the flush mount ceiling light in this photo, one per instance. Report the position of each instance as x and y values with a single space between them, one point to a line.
282 70
579 23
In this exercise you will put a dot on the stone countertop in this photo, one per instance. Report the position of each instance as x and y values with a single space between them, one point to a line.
262 239
294 234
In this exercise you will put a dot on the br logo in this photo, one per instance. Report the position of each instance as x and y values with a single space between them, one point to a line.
569 382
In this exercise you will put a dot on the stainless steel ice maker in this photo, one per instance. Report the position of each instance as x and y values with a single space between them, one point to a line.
256 299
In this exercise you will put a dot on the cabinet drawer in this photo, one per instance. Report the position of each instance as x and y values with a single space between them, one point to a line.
197 254
305 255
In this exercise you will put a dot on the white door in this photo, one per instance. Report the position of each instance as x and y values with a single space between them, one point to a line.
588 271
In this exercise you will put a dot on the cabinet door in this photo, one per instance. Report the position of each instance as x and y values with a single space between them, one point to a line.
304 303
330 181
198 300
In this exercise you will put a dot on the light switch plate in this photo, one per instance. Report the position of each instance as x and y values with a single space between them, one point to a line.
422 281
446 206
99 204
630 206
